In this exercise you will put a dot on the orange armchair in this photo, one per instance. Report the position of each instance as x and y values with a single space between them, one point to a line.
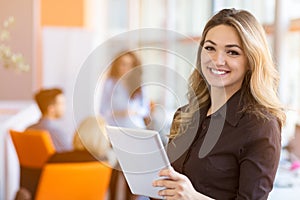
33 147
74 181
71 180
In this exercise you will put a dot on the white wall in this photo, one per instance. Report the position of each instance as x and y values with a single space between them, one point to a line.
64 52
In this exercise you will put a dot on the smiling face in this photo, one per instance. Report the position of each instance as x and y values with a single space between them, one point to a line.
223 60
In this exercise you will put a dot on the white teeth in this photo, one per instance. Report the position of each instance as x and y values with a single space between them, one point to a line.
218 72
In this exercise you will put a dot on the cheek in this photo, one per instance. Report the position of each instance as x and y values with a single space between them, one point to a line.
205 59
205 62
245 66
62 107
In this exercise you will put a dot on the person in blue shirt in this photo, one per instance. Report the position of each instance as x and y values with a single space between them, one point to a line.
123 102
51 103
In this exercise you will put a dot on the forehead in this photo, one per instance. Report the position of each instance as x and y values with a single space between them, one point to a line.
126 57
223 35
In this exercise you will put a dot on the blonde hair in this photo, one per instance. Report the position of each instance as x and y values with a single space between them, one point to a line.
259 88
91 136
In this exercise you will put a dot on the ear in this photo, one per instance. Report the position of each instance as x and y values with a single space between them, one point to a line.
51 109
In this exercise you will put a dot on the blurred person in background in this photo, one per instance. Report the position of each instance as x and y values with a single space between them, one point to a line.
124 104
51 103
123 101
91 137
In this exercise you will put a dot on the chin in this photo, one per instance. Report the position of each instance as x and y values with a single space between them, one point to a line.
216 85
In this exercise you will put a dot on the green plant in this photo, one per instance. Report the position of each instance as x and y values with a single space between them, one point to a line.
8 58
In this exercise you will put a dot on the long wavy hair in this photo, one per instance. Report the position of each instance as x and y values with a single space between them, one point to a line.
260 84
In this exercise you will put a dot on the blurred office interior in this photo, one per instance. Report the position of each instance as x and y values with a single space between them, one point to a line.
70 44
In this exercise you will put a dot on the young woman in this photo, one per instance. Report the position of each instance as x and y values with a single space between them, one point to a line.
123 102
225 144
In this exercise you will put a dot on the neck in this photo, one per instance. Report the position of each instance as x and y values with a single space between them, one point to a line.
48 116
218 98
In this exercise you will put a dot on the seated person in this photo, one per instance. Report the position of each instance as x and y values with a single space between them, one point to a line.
51 103
90 143
91 136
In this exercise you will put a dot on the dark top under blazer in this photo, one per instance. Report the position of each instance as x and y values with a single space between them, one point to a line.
229 154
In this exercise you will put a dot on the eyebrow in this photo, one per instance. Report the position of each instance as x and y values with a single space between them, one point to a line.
228 46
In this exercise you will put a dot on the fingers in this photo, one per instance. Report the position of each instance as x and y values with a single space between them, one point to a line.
170 182
170 173
175 186
165 183
167 194
169 178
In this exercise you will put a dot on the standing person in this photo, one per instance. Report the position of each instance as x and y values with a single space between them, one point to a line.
226 142
51 103
123 102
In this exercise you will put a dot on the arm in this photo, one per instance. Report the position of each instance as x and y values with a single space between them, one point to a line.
259 161
177 186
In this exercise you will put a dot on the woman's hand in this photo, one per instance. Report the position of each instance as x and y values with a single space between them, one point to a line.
177 186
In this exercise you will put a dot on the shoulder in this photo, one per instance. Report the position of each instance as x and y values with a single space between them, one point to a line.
107 84
178 112
54 128
260 127
250 119
181 110
41 124
110 82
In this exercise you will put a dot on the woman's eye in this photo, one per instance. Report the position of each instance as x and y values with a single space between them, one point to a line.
209 48
234 53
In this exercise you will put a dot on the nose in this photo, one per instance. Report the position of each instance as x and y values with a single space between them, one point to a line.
219 58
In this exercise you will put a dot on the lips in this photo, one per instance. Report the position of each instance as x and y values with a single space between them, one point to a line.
218 71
